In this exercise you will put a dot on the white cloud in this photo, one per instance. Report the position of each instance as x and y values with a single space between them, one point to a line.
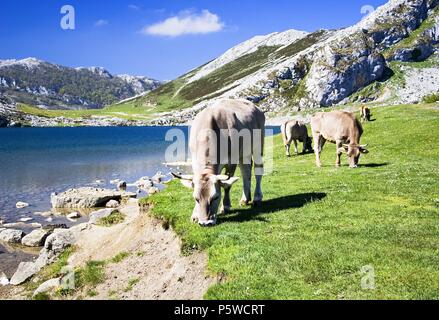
134 7
186 23
101 23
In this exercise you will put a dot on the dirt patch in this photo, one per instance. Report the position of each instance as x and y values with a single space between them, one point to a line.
154 269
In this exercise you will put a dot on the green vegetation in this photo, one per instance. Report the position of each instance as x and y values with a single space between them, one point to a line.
414 37
114 218
131 284
90 275
120 257
319 227
65 82
432 98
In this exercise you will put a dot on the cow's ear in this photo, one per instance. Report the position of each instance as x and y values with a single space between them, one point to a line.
342 150
364 150
229 182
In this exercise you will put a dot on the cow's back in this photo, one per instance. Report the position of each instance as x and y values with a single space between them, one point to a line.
336 125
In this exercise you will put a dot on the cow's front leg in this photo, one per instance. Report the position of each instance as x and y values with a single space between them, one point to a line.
227 203
339 145
246 172
317 148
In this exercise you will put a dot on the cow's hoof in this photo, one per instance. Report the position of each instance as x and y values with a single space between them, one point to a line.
225 210
257 204
209 223
337 166
244 203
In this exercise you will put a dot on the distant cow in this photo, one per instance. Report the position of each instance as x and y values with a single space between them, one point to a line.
295 131
232 121
341 128
365 114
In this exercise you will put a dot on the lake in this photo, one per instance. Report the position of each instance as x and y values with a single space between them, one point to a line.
34 162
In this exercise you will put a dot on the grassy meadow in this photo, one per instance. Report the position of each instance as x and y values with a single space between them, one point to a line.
318 228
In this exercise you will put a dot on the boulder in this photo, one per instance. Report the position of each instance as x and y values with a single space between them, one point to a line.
98 215
11 235
48 286
36 238
158 178
21 205
24 272
87 198
112 204
59 240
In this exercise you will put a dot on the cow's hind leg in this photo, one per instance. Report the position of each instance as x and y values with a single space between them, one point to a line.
259 172
227 203
339 145
287 149
246 172
296 150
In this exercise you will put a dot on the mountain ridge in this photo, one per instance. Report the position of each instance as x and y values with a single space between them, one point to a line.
54 86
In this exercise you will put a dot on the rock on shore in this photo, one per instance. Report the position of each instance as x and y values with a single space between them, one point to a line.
87 198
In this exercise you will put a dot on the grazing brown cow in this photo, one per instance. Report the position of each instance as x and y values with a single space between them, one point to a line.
365 114
241 125
341 128
295 131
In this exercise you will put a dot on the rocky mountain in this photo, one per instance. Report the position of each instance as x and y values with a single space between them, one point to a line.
294 70
51 86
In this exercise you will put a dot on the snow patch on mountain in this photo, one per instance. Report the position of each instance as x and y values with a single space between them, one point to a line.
247 47
28 63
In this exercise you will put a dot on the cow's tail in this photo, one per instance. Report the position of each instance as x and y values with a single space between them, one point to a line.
285 135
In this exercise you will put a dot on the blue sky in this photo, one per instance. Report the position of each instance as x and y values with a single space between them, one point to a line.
162 39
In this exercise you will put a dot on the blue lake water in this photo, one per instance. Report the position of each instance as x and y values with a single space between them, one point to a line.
34 162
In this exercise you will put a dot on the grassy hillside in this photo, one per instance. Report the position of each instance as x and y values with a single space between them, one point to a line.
319 227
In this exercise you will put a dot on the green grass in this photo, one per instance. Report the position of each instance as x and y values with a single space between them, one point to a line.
318 227
432 98
120 257
114 218
131 284
90 275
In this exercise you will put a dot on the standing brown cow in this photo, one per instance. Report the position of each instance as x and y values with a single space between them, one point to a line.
341 128
295 131
365 114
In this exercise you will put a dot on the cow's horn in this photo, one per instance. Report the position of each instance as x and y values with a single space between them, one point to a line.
182 177
364 146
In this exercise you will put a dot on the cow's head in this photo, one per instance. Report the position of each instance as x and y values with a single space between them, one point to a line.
353 152
207 195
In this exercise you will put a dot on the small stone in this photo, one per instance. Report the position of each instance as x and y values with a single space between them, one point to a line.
74 215
98 215
11 235
112 204
21 205
25 219
153 190
4 281
122 185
